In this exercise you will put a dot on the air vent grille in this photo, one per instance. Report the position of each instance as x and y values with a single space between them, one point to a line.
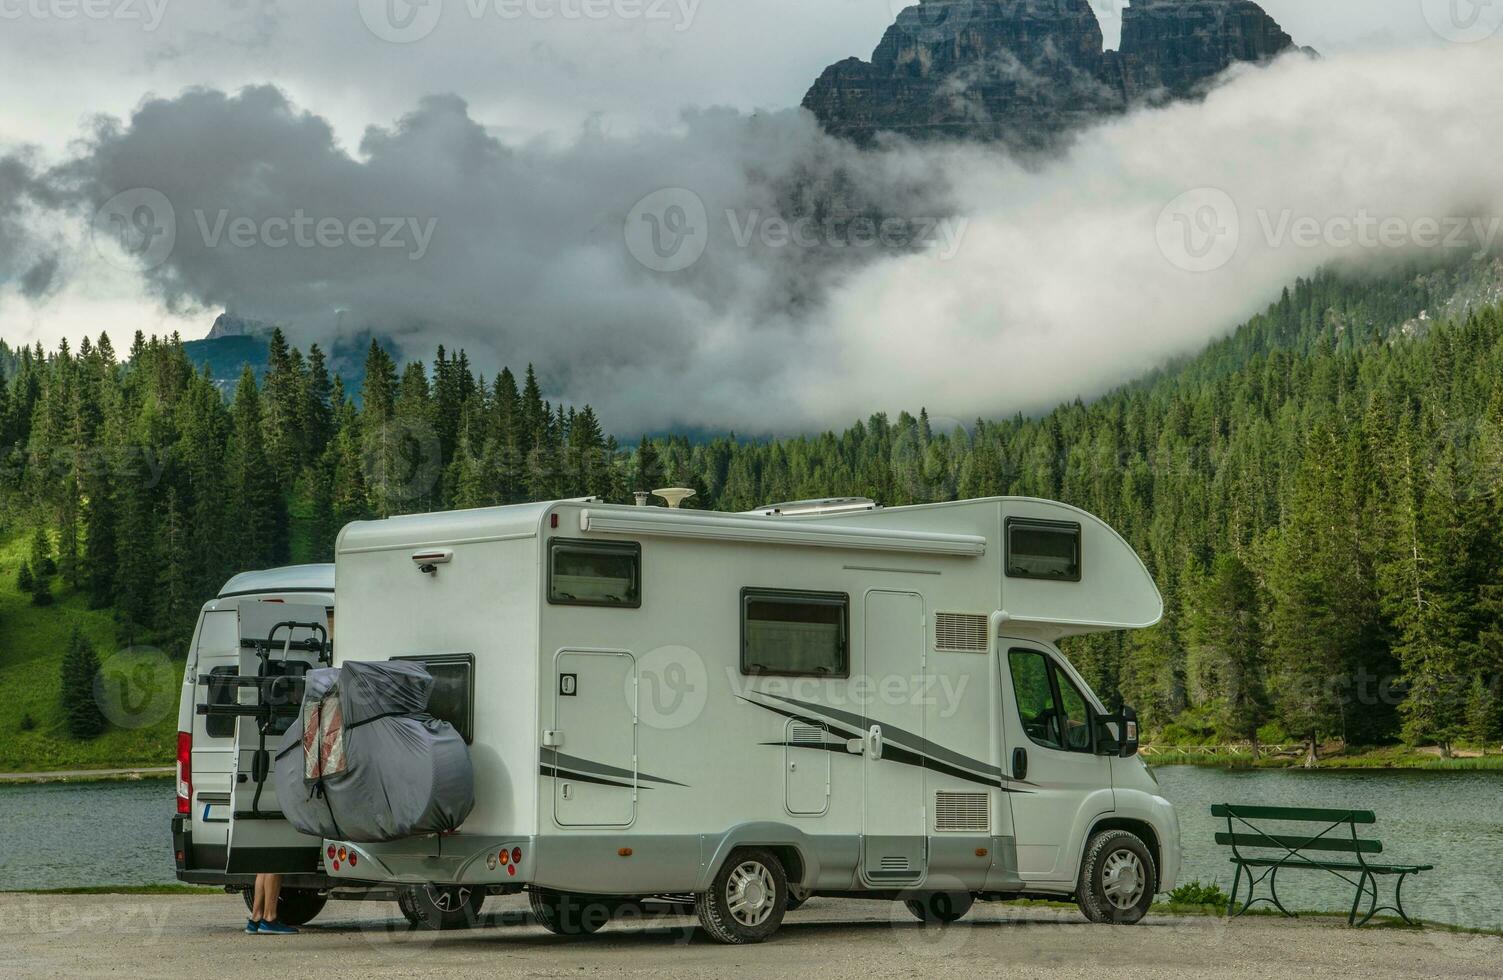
962 812
894 863
801 734
960 632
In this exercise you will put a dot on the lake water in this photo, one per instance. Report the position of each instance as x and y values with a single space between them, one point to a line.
117 833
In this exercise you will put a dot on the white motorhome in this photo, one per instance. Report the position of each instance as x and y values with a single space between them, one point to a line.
741 711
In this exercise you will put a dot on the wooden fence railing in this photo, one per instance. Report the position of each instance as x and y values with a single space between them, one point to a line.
1232 751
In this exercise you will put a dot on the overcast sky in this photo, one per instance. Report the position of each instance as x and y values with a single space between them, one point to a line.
521 75
527 132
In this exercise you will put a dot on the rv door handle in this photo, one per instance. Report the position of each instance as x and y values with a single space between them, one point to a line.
874 742
1019 763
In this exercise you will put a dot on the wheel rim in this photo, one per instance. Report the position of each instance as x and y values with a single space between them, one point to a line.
449 899
749 893
1123 880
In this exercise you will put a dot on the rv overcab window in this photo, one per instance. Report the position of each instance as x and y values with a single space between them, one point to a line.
795 634
1043 549
453 697
594 573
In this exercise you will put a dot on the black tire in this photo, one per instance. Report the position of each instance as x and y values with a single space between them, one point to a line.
1117 879
940 908
295 906
565 914
441 907
747 899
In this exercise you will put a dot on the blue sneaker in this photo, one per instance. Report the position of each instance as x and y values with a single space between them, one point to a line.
251 927
276 929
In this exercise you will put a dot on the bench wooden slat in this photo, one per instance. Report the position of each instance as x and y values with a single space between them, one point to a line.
1296 843
1377 869
1295 813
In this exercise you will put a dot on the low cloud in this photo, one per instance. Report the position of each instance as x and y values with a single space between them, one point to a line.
746 271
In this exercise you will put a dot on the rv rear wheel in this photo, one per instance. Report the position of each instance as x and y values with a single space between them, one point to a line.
295 906
940 908
747 899
564 914
1116 878
435 907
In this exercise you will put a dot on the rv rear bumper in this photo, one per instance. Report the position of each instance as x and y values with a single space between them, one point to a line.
457 859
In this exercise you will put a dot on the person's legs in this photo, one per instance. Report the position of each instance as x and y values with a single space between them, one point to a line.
272 885
255 915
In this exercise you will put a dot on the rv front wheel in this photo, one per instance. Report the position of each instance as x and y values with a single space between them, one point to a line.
747 899
564 914
1116 878
941 908
433 907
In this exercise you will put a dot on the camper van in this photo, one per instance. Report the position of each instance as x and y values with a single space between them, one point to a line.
208 762
739 712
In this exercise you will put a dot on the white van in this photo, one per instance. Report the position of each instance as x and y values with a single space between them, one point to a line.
741 711
207 761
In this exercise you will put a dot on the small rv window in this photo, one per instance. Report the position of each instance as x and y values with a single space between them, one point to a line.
594 573
1043 549
221 693
794 633
453 697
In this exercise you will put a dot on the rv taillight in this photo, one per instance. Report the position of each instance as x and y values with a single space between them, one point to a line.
516 855
184 772
353 861
330 852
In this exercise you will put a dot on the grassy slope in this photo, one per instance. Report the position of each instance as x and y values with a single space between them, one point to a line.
32 642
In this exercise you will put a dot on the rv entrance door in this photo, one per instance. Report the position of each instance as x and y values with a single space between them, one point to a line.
1049 719
261 839
894 827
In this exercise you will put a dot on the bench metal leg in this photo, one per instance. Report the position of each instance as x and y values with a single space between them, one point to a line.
1351 918
1273 886
1231 903
1398 896
1374 908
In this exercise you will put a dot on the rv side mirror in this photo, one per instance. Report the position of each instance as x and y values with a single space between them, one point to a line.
1129 721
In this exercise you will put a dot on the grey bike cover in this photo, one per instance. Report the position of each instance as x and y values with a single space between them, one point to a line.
365 762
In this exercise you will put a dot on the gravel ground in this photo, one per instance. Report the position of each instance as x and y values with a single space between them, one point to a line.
199 936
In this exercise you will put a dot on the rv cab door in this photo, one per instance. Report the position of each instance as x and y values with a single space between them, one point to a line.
1048 727
261 840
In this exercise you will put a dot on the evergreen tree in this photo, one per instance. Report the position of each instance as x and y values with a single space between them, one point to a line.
1226 647
79 668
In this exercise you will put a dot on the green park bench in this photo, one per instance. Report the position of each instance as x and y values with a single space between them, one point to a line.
1272 852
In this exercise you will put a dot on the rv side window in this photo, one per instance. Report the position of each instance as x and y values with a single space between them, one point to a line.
1052 710
1043 549
453 697
1035 697
220 726
795 633
594 573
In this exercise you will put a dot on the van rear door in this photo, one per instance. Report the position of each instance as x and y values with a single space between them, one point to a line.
215 655
277 644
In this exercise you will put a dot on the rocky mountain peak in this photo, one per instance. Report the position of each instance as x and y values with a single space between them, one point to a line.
1027 72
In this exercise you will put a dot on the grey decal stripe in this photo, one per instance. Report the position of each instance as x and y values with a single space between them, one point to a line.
581 777
937 752
601 769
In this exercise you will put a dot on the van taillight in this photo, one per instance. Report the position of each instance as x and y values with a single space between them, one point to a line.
184 772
